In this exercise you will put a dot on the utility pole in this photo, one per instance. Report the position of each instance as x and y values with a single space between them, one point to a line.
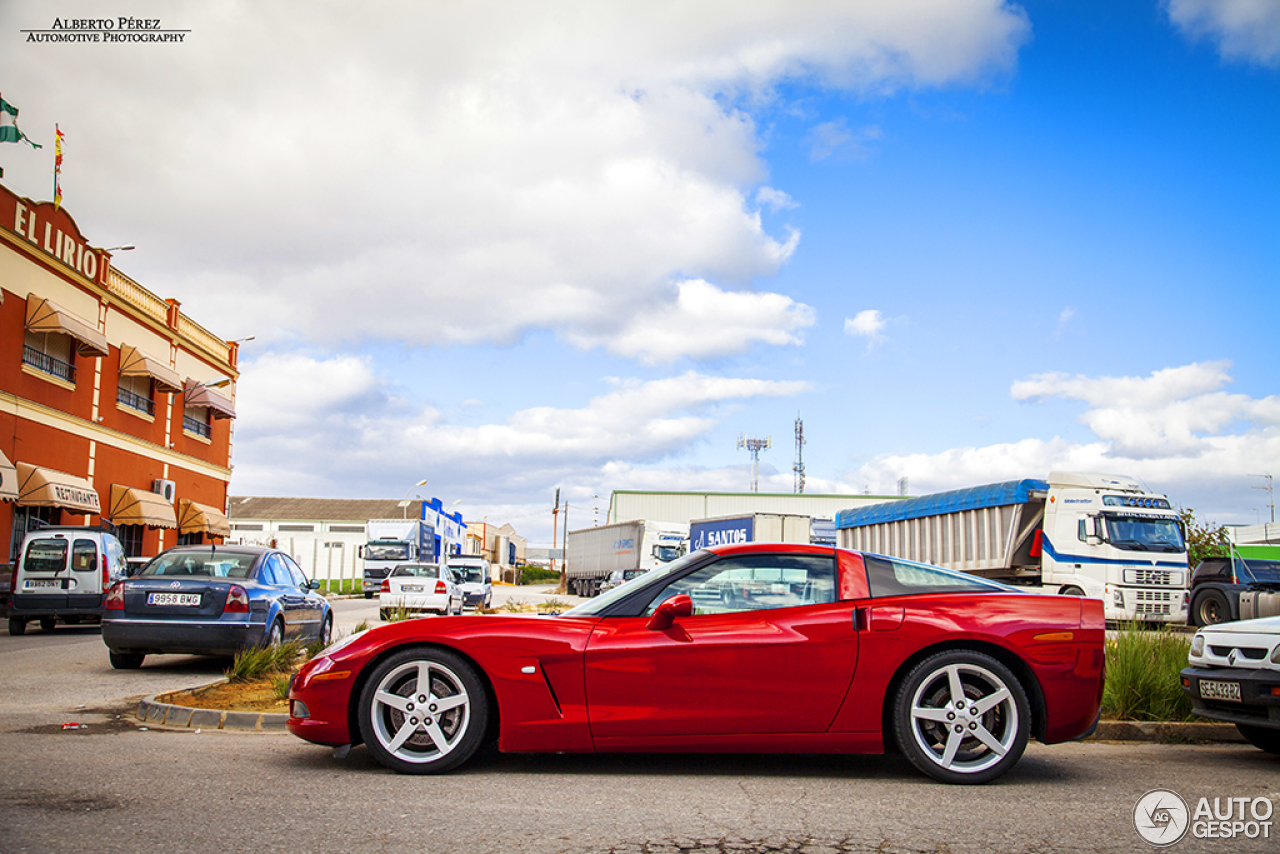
555 529
1271 495
755 446
798 468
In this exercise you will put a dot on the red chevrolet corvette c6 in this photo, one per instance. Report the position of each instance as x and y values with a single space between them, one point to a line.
757 648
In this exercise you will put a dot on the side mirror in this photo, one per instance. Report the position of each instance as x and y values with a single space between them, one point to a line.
665 615
313 584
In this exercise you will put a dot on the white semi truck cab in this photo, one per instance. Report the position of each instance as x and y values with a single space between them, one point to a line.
1077 533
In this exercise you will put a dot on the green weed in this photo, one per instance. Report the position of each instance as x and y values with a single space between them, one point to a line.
1143 682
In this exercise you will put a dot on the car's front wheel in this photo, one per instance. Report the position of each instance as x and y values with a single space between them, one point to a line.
326 631
1262 738
962 717
423 711
1211 608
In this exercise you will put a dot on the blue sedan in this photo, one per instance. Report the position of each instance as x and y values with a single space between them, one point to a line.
212 600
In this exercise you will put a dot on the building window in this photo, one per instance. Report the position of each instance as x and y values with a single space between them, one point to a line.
244 526
195 538
296 528
195 419
135 393
29 519
130 537
50 352
346 529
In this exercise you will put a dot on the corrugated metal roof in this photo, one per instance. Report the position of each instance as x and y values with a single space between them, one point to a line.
973 498
317 509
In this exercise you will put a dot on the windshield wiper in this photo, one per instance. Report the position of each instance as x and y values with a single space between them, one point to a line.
1133 544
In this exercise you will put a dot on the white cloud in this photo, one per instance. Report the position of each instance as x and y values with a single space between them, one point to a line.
1176 429
1245 30
834 139
307 425
458 173
774 199
705 322
867 324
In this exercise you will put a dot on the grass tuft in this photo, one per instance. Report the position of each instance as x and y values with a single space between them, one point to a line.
1143 682
250 664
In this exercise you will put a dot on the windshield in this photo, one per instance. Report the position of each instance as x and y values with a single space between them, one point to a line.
666 553
386 551
594 606
1144 533
416 570
213 564
469 574
1262 571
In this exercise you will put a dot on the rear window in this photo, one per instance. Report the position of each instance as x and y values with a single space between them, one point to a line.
890 577
411 570
45 555
84 556
217 564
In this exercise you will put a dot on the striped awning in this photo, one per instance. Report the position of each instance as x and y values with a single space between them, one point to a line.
42 487
43 315
194 518
198 394
135 363
132 506
8 479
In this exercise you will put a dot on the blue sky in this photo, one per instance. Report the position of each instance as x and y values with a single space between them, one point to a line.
517 247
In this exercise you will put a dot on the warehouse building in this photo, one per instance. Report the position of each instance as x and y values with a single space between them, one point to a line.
626 505
114 404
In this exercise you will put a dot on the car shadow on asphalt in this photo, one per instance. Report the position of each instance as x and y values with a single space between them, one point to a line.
892 766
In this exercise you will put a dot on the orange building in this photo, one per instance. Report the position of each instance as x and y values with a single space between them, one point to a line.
114 405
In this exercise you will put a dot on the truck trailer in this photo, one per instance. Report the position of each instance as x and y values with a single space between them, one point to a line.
591 554
750 528
1081 534
391 543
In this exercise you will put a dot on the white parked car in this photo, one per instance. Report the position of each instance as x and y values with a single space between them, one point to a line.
475 576
415 588
1235 677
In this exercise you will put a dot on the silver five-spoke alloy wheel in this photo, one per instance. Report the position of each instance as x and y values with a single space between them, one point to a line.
962 717
423 711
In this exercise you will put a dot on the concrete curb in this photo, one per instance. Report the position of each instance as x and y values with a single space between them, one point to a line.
1188 732
150 711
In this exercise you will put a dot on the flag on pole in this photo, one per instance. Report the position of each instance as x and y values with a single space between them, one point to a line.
57 169
9 125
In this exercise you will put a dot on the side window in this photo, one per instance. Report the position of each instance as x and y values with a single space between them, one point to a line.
84 556
273 573
888 577
755 583
46 555
295 572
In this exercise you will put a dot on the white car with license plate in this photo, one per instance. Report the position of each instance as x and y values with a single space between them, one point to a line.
1234 676
415 588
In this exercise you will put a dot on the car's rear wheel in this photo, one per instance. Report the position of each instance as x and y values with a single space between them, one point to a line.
326 630
962 717
275 637
1262 738
17 627
126 660
1212 608
423 711
47 624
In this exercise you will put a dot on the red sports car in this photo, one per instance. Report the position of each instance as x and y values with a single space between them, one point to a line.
758 648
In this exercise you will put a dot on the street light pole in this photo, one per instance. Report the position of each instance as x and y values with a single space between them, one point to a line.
404 505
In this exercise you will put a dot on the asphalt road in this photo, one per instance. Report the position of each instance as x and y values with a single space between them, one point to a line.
114 786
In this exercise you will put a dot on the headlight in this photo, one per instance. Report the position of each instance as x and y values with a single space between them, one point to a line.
1197 646
1119 598
1275 655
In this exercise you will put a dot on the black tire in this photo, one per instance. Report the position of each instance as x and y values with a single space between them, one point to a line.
456 731
47 623
17 627
1263 738
368 594
1071 591
971 739
326 630
1211 608
126 660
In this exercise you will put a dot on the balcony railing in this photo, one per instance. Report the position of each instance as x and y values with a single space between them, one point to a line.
196 426
44 362
136 401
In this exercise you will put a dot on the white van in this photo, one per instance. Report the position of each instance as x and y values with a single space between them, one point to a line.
63 573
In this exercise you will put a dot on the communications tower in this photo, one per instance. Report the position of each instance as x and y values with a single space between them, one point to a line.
755 446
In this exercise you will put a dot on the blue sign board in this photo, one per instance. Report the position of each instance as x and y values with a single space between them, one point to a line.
721 532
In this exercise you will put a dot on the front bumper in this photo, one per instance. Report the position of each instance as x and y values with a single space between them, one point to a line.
1259 701
193 637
